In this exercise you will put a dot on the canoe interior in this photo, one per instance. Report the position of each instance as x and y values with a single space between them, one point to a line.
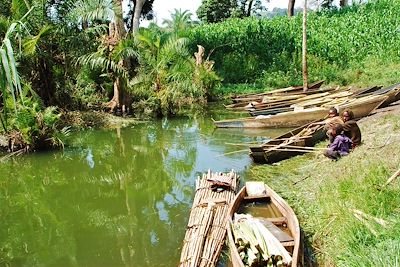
276 215
263 155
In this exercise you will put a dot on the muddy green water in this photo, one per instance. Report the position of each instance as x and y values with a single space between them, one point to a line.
118 197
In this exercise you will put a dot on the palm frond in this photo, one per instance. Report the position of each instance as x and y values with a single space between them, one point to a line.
30 44
98 61
97 30
95 10
19 8
125 49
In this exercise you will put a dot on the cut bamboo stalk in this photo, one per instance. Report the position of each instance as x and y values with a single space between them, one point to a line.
393 177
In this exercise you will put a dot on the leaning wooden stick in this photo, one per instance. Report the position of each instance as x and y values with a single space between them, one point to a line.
300 147
233 152
393 177
295 150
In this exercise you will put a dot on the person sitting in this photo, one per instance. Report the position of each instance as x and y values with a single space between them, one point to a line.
331 119
341 144
351 128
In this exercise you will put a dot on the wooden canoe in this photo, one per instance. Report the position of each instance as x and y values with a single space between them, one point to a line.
361 107
313 88
392 92
285 146
275 214
366 91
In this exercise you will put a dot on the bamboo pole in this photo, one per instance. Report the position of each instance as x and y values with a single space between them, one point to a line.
295 150
300 147
233 152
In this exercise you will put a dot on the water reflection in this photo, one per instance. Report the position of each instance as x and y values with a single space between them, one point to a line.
113 198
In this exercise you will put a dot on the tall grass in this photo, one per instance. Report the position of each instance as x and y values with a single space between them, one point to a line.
327 197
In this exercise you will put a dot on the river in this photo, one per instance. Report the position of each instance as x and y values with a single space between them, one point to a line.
116 197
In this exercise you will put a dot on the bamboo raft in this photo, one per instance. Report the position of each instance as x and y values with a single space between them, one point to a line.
206 229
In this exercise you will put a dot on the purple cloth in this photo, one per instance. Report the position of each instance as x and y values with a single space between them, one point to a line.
341 144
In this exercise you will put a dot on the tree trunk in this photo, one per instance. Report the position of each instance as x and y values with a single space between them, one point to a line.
116 33
248 13
290 10
343 3
305 72
136 15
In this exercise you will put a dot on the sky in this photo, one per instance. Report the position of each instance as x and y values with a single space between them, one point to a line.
163 8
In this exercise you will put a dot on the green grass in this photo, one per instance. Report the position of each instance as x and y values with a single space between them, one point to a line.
372 71
325 195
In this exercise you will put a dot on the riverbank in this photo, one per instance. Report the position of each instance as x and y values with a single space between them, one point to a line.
94 119
78 120
348 215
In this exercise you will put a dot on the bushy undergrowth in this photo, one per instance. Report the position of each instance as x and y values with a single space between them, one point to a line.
349 217
29 126
269 51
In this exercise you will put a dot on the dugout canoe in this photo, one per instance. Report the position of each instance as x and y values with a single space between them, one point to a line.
361 107
275 213
392 92
287 145
312 88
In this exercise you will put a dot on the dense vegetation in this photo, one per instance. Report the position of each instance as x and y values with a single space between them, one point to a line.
342 45
76 55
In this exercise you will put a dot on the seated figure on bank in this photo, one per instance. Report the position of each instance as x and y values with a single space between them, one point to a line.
341 144
351 128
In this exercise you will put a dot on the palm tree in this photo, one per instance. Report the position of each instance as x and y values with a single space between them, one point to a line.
180 20
165 69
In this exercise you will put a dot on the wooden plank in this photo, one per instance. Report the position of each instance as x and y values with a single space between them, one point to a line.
288 243
263 197
275 230
278 220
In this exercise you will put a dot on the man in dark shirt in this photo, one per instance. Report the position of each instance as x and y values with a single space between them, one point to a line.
351 128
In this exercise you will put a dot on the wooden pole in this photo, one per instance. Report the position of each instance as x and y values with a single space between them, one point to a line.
296 147
233 152
294 150
305 71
